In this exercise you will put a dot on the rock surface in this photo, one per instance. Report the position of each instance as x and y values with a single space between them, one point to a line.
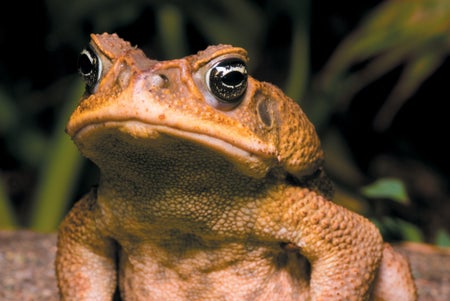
26 266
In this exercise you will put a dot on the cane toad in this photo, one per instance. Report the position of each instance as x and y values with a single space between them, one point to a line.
211 188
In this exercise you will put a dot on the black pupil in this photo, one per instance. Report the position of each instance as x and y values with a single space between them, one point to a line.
233 78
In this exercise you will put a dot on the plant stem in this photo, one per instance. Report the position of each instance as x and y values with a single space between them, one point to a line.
299 63
58 174
7 214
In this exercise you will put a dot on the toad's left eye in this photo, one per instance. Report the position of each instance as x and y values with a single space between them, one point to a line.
227 80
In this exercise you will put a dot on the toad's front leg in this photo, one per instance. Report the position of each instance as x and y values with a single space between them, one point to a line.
85 260
343 248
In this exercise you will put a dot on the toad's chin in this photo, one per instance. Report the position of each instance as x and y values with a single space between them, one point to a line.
95 139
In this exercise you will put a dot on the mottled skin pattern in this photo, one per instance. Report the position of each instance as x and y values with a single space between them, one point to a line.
202 202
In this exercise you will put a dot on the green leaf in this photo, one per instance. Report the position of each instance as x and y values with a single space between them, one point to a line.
390 188
443 238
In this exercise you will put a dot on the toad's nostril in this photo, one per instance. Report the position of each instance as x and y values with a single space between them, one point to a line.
159 81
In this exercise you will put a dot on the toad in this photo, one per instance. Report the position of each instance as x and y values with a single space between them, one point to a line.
211 188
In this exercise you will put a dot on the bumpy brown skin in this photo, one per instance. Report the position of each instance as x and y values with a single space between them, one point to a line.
202 202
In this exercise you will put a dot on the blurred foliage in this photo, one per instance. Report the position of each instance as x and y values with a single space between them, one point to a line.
394 227
443 238
393 189
321 54
414 33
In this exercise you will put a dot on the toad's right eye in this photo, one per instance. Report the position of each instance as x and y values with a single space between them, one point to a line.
90 68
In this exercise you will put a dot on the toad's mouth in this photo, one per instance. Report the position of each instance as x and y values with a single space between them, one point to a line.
251 159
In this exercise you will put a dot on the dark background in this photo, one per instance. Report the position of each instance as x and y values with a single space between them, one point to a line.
40 42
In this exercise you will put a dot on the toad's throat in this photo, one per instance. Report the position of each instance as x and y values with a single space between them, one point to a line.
248 160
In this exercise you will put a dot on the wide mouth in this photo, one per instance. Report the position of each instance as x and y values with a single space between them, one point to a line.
247 160
139 129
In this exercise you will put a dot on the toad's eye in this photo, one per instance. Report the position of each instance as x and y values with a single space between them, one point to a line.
90 68
227 80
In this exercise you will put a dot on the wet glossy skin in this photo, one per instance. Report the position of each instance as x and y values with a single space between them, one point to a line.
211 188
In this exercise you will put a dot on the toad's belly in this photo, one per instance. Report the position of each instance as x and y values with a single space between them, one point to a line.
260 275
